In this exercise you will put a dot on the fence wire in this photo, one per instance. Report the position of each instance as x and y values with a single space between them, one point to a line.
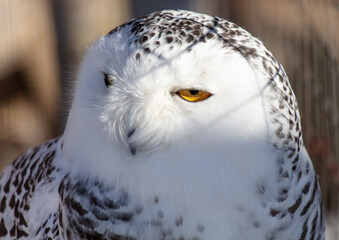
304 36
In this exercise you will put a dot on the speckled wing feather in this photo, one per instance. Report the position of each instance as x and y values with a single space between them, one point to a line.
25 186
39 201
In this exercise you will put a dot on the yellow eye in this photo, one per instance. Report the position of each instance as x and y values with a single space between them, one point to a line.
193 95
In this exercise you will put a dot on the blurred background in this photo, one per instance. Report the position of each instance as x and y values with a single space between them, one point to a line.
42 42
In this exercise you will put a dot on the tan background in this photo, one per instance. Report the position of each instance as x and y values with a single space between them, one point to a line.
42 41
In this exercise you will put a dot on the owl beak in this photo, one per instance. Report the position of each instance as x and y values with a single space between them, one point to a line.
130 133
132 148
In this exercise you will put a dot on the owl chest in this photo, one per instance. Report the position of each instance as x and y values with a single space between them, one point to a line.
89 209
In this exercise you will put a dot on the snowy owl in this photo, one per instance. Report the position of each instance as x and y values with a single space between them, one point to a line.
183 126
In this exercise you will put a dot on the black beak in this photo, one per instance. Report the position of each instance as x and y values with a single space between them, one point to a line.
132 148
130 133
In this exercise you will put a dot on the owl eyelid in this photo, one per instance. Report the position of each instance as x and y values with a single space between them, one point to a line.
177 90
109 79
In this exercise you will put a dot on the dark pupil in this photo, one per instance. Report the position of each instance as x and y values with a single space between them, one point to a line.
194 92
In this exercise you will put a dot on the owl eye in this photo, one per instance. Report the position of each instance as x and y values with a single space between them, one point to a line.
193 95
108 80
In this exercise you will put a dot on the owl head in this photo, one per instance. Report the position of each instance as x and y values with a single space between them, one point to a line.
179 85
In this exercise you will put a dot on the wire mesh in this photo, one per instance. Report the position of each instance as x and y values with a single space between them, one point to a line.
304 36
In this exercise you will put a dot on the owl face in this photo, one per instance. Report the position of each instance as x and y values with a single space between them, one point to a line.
145 93
150 102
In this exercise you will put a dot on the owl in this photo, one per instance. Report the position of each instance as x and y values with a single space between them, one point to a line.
183 126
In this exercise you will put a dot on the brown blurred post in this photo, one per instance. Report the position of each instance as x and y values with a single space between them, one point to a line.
29 87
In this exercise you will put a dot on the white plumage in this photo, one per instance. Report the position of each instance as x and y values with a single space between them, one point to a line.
183 126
